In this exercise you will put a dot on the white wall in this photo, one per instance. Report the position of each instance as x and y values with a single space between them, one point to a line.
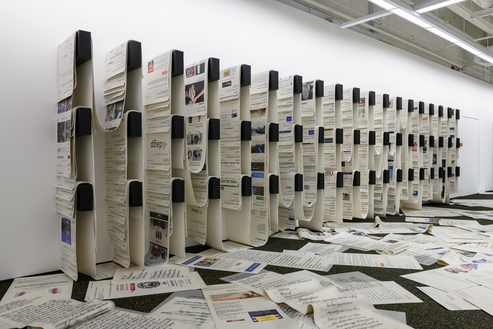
469 155
263 33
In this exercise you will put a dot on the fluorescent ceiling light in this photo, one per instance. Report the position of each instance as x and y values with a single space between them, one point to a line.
364 19
435 5
383 4
486 58
411 18
444 35
414 17
469 48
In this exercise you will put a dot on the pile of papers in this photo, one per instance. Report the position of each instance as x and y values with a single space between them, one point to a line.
255 296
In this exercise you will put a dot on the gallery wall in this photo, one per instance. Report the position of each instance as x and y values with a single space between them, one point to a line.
266 34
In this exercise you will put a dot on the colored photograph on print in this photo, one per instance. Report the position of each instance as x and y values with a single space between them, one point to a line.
194 92
258 148
194 139
208 262
67 231
257 113
258 166
61 106
158 238
260 130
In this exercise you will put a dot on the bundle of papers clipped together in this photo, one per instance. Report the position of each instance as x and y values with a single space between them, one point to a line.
300 299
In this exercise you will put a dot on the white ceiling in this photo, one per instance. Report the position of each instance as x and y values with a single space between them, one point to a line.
470 19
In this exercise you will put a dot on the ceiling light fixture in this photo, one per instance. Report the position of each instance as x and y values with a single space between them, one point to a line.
443 35
486 58
412 14
365 19
433 4
413 18
469 48
383 4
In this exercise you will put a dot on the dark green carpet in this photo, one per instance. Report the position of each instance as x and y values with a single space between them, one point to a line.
428 314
